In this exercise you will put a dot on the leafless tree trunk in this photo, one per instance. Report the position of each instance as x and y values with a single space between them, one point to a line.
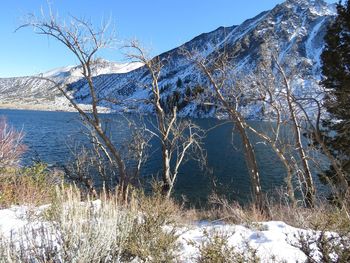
309 184
177 137
273 143
217 72
284 103
313 129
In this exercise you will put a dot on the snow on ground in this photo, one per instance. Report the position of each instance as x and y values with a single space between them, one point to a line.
272 238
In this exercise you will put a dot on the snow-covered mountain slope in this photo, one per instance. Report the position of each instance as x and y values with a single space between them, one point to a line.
295 28
100 67
33 92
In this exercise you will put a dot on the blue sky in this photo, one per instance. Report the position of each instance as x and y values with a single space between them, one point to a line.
159 25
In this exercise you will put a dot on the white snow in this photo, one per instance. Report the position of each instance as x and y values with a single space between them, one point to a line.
57 72
117 68
322 10
313 51
101 67
271 239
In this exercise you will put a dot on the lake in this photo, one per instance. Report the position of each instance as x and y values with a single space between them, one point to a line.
50 137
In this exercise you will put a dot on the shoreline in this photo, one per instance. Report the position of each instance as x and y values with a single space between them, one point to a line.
48 107
36 107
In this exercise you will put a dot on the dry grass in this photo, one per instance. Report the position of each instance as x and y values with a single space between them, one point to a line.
27 186
149 241
104 230
78 228
34 186
221 210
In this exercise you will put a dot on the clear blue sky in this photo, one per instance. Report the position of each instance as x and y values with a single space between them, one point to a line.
158 24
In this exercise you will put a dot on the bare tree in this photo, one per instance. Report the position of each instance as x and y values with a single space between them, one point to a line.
11 145
301 114
84 41
262 89
314 130
79 170
219 74
307 120
178 138
270 86
296 126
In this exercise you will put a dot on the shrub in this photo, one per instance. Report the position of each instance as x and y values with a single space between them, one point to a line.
11 145
321 245
33 185
216 248
103 230
149 241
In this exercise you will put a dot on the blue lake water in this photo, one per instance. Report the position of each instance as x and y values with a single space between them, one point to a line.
50 137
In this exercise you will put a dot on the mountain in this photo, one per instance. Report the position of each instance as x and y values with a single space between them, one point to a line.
295 28
32 92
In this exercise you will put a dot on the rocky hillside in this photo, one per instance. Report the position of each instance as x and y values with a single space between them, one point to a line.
295 28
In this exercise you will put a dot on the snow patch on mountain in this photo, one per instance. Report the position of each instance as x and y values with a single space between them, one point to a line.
99 67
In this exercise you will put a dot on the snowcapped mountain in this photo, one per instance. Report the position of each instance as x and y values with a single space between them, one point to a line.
295 28
32 92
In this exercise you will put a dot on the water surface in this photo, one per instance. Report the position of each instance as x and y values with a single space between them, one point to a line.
51 137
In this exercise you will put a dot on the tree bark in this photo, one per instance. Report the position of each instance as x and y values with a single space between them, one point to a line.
248 149
309 184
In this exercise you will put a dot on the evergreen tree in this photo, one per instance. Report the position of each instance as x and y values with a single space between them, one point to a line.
179 83
336 71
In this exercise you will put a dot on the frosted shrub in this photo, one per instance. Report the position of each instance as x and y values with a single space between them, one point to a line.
74 231
153 237
325 246
216 248
94 231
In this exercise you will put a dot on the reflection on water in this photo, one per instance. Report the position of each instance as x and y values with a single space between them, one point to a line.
51 136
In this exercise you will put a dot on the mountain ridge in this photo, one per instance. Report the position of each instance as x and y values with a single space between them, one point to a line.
295 27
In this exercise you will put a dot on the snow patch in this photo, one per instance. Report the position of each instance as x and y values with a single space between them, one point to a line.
274 238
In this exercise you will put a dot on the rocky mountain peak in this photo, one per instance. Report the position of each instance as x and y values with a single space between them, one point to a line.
315 7
306 3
